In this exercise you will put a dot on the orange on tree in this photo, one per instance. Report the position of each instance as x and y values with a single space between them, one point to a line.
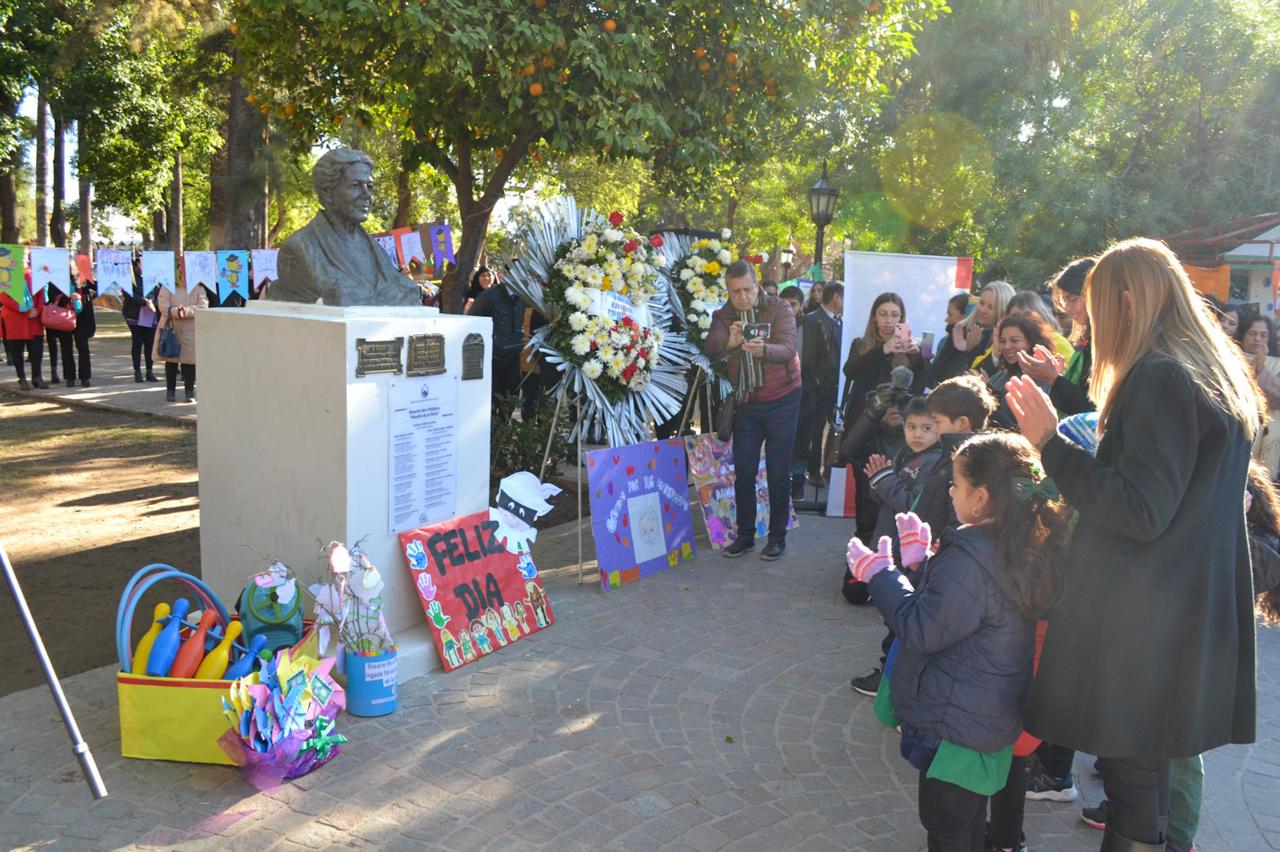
699 52
704 66
529 70
731 58
535 89
610 25
250 99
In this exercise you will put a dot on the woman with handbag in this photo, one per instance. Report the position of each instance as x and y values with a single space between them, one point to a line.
60 317
176 337
23 333
139 312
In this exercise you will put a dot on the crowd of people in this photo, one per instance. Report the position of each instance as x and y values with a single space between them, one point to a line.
1067 519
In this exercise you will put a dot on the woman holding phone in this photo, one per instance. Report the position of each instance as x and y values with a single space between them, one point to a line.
885 343
1149 654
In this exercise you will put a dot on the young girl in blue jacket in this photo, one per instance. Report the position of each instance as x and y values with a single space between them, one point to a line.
966 634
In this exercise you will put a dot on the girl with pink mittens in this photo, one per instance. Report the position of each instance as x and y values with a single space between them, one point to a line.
961 668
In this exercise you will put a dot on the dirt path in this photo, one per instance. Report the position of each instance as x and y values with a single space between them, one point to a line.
89 497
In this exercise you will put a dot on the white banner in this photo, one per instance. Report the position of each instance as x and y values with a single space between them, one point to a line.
925 283
616 306
388 243
51 267
264 266
114 271
411 247
201 267
157 269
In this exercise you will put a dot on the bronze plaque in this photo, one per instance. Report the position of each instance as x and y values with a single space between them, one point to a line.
378 356
426 355
473 357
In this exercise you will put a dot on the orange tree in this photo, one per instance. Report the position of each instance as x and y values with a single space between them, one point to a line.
475 89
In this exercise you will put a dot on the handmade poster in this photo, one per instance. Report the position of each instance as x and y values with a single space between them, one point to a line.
157 269
422 479
115 271
411 246
200 267
388 243
479 597
233 274
711 468
640 515
13 280
441 245
84 268
51 267
264 266
924 282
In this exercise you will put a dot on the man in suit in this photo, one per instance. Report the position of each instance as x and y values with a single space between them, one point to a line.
820 380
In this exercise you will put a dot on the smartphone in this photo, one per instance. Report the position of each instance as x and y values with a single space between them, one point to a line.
903 333
926 345
753 330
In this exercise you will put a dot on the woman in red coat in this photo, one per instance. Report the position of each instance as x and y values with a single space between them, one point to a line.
24 333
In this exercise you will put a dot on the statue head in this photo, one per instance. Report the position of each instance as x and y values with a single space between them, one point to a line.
343 179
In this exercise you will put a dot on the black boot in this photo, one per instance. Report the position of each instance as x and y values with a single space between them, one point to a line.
170 395
137 375
23 384
191 393
1115 842
151 377
53 377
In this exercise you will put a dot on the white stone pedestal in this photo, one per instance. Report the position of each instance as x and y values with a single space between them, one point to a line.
294 447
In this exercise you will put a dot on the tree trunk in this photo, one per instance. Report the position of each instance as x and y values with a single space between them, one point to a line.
278 225
42 167
158 237
241 222
732 209
9 232
403 199
86 193
58 218
466 254
175 205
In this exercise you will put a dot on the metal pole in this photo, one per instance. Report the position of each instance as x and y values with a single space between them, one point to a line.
695 388
78 746
817 253
578 474
551 436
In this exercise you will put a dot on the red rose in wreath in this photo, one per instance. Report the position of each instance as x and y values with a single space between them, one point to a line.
615 219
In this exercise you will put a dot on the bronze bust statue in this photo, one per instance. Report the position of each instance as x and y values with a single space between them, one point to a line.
333 259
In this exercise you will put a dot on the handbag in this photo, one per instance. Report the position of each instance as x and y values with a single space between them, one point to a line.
724 419
170 346
57 318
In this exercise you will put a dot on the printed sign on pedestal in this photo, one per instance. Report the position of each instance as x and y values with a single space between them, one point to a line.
478 595
640 514
711 467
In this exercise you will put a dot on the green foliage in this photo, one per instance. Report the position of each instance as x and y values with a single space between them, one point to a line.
473 88
516 444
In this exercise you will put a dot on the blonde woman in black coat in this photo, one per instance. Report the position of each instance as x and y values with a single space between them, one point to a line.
1150 654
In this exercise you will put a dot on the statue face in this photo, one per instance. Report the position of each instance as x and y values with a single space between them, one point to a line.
354 193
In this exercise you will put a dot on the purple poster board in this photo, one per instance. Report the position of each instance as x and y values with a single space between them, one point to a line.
640 513
711 466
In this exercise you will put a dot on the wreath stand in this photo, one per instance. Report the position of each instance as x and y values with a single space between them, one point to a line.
546 457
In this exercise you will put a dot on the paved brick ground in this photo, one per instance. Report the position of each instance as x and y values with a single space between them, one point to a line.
705 708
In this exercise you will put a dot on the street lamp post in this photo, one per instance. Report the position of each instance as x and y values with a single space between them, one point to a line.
822 206
786 256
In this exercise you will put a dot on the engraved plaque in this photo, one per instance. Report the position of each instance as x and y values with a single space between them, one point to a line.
473 357
426 355
378 356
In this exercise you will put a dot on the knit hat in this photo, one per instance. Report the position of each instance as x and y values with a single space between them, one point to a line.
1070 279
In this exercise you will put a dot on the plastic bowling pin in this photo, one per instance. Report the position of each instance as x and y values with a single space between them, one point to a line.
143 652
215 663
244 666
192 650
165 647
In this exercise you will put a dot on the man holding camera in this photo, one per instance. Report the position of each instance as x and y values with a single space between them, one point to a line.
756 334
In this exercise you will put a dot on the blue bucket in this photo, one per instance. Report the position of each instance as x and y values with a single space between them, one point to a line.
372 684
